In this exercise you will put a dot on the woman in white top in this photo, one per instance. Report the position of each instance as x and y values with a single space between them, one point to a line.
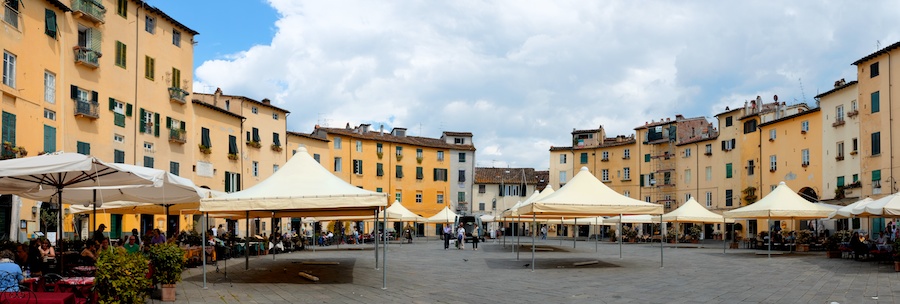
461 237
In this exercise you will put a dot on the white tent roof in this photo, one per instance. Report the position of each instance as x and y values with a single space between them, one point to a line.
847 211
487 218
781 203
636 219
132 207
23 176
888 205
513 211
444 216
397 212
585 195
169 189
692 212
302 187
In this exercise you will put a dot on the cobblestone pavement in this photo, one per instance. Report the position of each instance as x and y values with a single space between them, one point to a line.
424 272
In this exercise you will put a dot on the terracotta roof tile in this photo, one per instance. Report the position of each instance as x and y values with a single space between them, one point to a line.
409 140
310 136
506 175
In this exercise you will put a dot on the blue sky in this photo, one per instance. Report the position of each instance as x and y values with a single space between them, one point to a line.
521 75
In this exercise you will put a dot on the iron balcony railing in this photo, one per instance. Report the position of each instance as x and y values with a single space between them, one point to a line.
87 108
90 9
177 94
87 57
177 135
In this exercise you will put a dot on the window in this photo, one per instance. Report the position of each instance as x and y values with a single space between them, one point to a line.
708 149
687 197
149 122
176 80
605 155
274 168
773 134
379 189
83 148
873 70
440 156
647 199
481 206
855 178
687 175
627 193
876 143
121 7
853 106
148 146
8 128
50 27
728 170
626 173
709 172
204 137
358 146
562 177
149 67
839 113
119 156
728 145
12 13
119 138
232 182
728 196
275 116
462 157
150 24
121 50
440 198
440 174
750 126
840 181
804 126
337 143
232 145
176 38
254 110
398 196
148 161
627 154
418 196
647 158
708 199
460 197
876 102
462 176
728 121
49 114
316 156
379 149
174 168
855 146
562 158
398 150
687 152
604 175
459 141
276 139
751 166
227 104
255 169
49 87
667 178
9 69
419 173
338 166
840 150
379 169
419 154
482 188
773 163
357 166
584 158
876 178
49 139
804 157
398 171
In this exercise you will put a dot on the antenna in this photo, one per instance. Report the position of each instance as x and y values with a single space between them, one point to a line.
801 89
877 45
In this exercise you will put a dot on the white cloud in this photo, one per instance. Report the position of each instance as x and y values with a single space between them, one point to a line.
520 75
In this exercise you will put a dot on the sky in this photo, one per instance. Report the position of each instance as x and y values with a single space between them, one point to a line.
521 75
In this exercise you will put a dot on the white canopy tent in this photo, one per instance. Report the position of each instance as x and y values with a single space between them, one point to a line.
397 212
847 211
888 205
692 212
633 219
444 216
781 203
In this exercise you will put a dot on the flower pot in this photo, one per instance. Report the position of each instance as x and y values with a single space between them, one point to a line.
897 266
833 254
733 245
168 293
802 247
695 241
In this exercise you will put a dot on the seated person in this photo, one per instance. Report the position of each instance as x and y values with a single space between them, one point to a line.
132 245
10 273
89 254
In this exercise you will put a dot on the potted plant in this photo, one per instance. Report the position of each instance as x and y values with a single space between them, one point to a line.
630 233
232 156
168 263
121 277
804 237
612 234
204 149
833 246
896 255
254 144
694 232
276 148
671 235
717 235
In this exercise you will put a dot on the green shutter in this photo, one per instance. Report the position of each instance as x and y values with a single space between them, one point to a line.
419 173
112 104
228 182
168 122
9 128
49 139
876 175
50 23
840 181
256 135
584 158
232 144
876 102
128 110
204 137
642 180
183 126
156 124
379 169
275 139
727 170
119 119
141 119
647 158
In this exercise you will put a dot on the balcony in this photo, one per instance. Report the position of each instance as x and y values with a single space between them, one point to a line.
87 57
606 159
839 122
90 10
839 158
178 95
177 136
11 15
86 108
11 151
852 113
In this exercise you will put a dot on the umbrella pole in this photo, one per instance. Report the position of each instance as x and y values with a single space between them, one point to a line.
724 242
575 233
518 238
620 235
769 222
375 236
533 221
384 254
202 251
596 235
95 210
661 240
246 241
60 210
273 236
561 224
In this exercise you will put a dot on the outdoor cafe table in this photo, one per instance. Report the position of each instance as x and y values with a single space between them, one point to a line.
37 297
80 286
85 270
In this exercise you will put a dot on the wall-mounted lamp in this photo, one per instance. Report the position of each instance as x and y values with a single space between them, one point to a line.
34 210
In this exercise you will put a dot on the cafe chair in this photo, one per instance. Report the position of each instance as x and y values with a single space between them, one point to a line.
50 282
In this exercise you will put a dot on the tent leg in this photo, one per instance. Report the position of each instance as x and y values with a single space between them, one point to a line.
596 235
533 221
661 240
724 242
769 222
376 238
575 233
620 235
384 254
273 236
518 238
203 253
246 242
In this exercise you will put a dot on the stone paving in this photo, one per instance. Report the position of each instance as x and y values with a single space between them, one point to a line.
423 272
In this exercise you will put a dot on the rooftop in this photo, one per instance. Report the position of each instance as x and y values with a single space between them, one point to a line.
388 137
505 176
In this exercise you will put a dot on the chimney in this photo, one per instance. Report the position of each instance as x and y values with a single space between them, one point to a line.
347 126
266 101
381 131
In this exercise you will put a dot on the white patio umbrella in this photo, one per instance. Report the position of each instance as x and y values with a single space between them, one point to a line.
888 205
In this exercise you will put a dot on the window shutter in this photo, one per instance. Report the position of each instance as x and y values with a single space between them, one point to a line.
143 126
50 23
642 180
95 97
501 189
256 135
275 140
49 139
228 182
204 137
435 174
733 143
74 91
183 126
168 122
248 136
128 110
112 104
723 145
156 124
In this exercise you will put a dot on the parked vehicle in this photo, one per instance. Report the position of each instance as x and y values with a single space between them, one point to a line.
469 223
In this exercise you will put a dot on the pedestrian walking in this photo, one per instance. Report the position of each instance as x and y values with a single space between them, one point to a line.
447 237
461 237
543 232
475 237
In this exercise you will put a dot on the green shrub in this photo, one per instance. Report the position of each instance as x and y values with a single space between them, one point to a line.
121 277
168 263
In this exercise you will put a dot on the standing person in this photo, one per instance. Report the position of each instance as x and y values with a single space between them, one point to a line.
544 232
355 235
214 230
98 234
475 237
446 237
461 237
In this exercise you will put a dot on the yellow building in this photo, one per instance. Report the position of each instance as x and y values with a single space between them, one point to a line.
876 112
840 144
108 106
608 158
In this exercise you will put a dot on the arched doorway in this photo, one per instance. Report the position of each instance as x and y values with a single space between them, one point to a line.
809 194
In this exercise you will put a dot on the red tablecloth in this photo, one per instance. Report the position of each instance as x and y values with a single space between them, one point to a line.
85 268
77 281
38 297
